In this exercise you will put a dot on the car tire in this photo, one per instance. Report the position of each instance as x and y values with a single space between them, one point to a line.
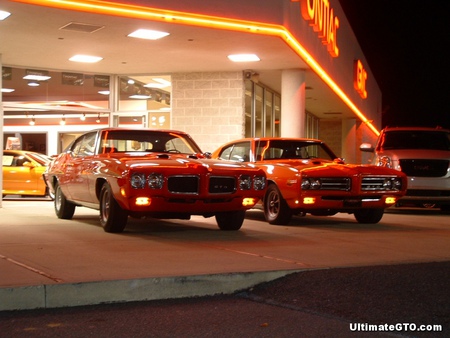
445 208
276 210
112 217
63 208
369 215
230 221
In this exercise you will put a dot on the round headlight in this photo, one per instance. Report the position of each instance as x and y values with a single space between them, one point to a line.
137 181
259 183
315 183
245 182
387 184
305 184
155 181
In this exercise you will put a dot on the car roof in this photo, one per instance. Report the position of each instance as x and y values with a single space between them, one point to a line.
276 139
416 129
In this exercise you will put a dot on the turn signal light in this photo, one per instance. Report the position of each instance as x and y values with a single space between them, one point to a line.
309 200
248 201
143 201
390 200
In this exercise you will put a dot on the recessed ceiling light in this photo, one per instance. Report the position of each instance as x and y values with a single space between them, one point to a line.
7 90
244 57
85 58
35 77
148 34
104 92
4 15
140 97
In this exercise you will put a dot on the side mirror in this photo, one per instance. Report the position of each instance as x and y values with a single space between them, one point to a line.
339 160
367 147
207 155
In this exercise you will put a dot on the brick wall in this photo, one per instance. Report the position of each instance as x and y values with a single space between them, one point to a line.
209 107
330 131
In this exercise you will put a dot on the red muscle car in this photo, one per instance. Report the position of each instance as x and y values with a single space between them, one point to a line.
305 176
160 174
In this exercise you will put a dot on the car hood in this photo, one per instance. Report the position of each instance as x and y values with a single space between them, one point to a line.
319 167
186 161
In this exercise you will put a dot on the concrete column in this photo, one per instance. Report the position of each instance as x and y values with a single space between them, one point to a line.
349 140
293 103
1 130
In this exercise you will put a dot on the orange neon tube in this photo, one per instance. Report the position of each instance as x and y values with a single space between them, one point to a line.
155 14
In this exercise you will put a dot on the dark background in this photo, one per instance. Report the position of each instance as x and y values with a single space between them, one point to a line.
407 47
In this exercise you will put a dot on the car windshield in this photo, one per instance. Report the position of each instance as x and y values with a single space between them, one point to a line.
292 149
433 140
147 141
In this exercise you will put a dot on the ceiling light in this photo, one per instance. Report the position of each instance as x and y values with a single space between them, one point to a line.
104 92
85 58
4 15
32 122
83 117
33 84
7 90
36 77
148 34
63 121
140 97
244 57
161 83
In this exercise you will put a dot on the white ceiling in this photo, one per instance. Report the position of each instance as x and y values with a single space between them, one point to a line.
32 38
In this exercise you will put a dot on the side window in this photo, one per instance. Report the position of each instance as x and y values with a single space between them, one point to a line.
84 146
239 152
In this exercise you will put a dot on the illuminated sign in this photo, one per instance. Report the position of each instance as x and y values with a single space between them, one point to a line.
321 17
360 78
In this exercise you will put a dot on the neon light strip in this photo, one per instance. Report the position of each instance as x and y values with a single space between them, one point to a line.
139 12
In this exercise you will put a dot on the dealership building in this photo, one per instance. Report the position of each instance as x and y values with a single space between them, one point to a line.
218 70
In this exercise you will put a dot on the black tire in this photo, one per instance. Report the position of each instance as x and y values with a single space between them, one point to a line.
63 208
369 215
230 221
112 217
445 208
276 210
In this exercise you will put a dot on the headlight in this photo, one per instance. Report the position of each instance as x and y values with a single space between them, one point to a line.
259 183
392 183
155 181
245 182
305 184
137 181
311 183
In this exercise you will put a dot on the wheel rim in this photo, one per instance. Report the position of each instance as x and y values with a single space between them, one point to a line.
273 204
105 207
58 199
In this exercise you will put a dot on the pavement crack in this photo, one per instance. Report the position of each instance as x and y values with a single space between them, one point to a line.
29 268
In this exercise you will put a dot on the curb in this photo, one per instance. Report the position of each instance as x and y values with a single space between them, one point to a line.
116 291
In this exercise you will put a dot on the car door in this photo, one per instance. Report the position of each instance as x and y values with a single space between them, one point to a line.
19 176
78 168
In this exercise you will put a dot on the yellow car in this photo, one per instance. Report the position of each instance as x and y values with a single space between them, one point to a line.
22 173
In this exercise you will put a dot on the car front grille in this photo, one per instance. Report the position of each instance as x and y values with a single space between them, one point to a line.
335 183
221 185
183 184
372 183
424 168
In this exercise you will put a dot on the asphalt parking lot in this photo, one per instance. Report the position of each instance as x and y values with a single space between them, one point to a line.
51 263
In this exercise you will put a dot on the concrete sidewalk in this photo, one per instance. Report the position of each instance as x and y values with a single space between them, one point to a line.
46 262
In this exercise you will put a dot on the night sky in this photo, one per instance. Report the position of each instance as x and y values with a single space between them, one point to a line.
407 47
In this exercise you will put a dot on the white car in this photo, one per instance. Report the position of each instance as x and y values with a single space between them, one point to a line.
423 154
